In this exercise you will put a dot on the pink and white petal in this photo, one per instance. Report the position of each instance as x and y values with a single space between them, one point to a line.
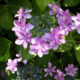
49 64
78 29
25 61
16 23
40 54
51 12
7 68
28 16
27 11
55 47
46 75
25 44
50 5
50 73
46 69
9 61
19 59
63 41
19 42
29 27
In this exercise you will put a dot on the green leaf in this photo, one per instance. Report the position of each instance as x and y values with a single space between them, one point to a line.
4 49
6 20
77 52
42 4
68 45
69 78
14 5
71 3
24 52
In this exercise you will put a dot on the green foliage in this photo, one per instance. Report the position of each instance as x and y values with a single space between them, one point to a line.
77 52
5 18
14 5
70 78
42 4
71 3
68 45
4 49
24 52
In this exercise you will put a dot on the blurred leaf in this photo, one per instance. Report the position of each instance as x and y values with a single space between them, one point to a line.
71 3
69 78
68 45
77 52
42 4
24 52
4 49
6 20
14 5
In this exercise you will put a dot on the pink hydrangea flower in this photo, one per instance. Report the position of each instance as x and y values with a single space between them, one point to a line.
50 70
23 14
22 27
56 38
59 75
12 65
65 21
22 31
76 20
71 70
39 46
53 8
23 39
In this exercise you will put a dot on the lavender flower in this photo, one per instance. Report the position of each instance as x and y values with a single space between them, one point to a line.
71 70
59 75
50 69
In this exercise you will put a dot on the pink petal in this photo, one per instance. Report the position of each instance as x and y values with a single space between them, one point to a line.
46 75
49 64
50 5
19 42
55 47
50 73
29 27
51 12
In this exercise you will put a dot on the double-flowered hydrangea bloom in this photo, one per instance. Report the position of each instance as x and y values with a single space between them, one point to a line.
39 46
76 20
50 70
12 65
49 40
23 14
71 70
56 38
64 18
21 28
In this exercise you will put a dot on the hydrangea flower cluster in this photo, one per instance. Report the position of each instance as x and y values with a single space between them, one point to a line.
76 20
70 70
51 40
12 64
